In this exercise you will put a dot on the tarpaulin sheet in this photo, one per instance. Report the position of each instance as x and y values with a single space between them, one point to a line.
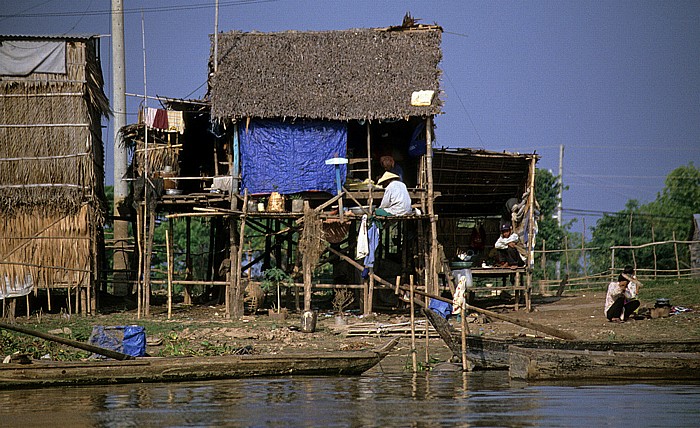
16 287
24 57
127 339
290 157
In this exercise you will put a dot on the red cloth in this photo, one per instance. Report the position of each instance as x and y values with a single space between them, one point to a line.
161 119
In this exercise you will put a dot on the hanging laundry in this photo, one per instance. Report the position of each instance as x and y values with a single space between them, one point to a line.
161 120
149 115
362 243
175 121
373 240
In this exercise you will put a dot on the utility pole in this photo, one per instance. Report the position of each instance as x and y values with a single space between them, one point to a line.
121 189
561 192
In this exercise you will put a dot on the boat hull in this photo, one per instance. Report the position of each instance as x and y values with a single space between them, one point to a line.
178 369
533 364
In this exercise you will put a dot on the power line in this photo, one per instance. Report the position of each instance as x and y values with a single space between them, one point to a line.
464 107
171 8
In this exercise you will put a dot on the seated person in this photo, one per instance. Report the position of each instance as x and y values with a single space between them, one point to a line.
396 200
617 307
509 248
390 165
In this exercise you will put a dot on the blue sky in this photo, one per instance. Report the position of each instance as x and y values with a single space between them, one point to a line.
616 82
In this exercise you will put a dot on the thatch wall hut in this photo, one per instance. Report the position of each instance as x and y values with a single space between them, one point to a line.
51 161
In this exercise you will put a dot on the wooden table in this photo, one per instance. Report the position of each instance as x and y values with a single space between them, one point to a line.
518 284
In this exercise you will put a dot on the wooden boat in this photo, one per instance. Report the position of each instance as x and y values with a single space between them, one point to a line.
534 364
491 353
178 369
494 353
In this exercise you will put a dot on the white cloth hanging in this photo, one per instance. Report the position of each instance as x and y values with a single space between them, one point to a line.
362 241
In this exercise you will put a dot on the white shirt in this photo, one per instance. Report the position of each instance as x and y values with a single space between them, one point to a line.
614 293
396 200
502 243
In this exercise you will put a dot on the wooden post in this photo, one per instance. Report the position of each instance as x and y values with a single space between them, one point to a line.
433 275
307 271
543 266
233 251
583 246
653 247
147 263
413 326
170 266
139 241
612 264
463 318
369 169
566 252
634 259
675 250
370 293
531 227
237 298
188 260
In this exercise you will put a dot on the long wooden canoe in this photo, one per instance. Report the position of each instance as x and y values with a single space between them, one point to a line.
494 353
178 369
533 364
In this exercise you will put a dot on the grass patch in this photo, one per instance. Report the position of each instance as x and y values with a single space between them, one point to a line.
681 292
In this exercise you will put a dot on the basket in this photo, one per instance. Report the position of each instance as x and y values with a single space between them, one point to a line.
275 204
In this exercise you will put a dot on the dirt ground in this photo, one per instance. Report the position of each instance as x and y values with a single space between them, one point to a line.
580 314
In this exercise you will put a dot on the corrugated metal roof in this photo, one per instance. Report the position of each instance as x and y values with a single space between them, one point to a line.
48 36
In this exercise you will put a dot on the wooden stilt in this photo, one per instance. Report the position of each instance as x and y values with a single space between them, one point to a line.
139 241
147 263
308 272
413 326
463 319
675 250
188 260
170 267
237 298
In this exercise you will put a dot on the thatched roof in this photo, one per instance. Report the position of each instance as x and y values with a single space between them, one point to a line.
332 75
51 151
478 182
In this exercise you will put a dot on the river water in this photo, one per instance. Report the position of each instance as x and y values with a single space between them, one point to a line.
378 398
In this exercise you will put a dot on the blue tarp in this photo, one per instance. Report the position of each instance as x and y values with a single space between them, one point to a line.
127 339
290 157
444 309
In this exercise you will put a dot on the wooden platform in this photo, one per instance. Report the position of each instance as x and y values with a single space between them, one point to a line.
517 287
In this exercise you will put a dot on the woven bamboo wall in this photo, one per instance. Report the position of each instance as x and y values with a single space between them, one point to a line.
51 170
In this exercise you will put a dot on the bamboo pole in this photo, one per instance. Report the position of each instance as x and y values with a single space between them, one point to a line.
432 273
675 250
413 326
653 248
139 242
583 247
188 260
80 345
170 269
634 259
566 252
237 289
463 319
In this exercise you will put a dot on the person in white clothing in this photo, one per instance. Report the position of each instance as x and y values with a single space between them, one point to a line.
396 200
509 248
617 307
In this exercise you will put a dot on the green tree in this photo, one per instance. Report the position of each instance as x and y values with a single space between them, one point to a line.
547 195
671 213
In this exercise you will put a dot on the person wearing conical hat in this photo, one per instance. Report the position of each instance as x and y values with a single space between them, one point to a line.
396 200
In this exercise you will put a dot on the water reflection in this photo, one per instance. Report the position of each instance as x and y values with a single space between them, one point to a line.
441 398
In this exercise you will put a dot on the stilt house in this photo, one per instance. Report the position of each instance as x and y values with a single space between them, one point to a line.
51 167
